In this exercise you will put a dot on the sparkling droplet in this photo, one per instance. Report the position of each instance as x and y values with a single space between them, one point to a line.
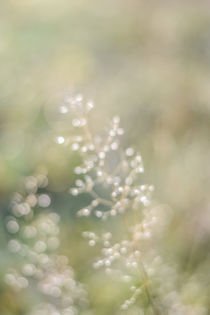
12 226
40 246
14 246
63 109
114 146
101 155
90 105
120 131
92 243
44 200
29 270
86 212
116 119
98 214
75 146
140 170
60 140
129 152
74 191
76 123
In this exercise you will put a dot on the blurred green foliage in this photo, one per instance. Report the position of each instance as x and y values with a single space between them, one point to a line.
147 61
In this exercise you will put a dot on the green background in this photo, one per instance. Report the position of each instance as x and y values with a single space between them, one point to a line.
147 61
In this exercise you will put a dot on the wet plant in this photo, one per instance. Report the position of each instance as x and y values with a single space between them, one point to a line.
113 176
128 233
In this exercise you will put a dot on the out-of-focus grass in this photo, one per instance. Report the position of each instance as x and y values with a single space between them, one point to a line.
148 62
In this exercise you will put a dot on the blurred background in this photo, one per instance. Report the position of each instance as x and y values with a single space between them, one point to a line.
147 61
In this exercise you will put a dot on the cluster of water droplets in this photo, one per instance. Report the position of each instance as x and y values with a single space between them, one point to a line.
111 175
98 174
34 230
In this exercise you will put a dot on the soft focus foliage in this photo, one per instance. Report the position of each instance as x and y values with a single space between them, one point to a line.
146 61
